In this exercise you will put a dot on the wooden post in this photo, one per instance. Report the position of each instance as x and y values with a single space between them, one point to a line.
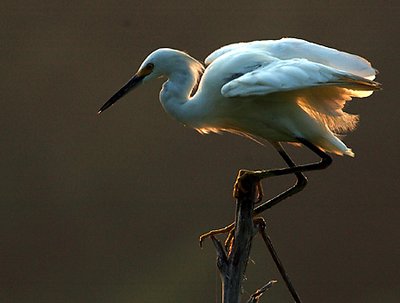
232 258
232 263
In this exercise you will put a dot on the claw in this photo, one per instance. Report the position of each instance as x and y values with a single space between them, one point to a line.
226 229
238 187
260 192
230 230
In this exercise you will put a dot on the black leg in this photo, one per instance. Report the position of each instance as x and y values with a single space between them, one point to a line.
299 186
326 160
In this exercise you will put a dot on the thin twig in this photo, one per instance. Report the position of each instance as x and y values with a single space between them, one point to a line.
254 298
222 259
279 265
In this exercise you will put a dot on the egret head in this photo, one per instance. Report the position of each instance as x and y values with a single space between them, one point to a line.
159 63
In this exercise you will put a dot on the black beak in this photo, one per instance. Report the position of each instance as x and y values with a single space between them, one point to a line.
132 83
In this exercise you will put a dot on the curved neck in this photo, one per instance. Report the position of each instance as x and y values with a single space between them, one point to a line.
176 90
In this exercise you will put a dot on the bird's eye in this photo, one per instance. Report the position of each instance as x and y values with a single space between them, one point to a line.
150 66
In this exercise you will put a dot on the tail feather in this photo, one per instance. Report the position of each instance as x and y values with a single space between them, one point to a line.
334 145
325 103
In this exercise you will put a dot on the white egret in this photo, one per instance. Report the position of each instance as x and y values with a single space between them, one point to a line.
287 90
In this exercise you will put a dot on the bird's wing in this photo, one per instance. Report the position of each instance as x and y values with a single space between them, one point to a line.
293 74
290 48
320 90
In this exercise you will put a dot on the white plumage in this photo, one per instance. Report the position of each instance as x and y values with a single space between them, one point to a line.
277 91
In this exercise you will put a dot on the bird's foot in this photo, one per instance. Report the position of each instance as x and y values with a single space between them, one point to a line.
227 229
259 222
244 178
244 175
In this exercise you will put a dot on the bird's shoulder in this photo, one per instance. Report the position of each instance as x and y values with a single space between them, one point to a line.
237 63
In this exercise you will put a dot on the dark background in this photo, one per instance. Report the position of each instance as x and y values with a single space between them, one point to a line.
109 208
